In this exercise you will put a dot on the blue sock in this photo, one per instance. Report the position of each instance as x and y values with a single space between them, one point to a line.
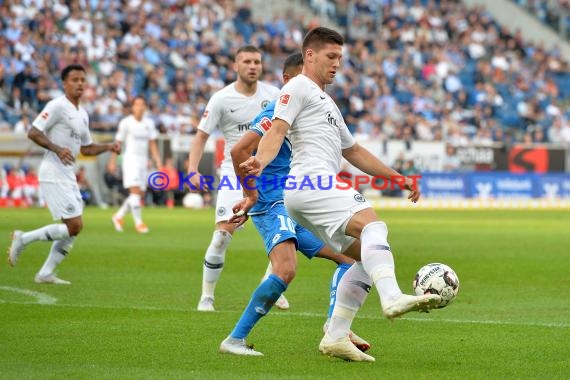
262 300
338 273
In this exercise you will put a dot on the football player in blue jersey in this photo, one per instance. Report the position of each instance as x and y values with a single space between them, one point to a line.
282 236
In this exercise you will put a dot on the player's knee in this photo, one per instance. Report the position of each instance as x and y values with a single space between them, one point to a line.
134 200
221 239
285 270
379 230
74 228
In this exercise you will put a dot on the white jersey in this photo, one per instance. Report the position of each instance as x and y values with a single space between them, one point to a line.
233 112
318 133
135 136
68 127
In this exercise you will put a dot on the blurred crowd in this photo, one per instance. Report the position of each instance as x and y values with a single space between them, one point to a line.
554 13
413 70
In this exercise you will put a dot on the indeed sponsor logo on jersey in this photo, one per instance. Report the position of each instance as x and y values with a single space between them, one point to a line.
244 126
342 181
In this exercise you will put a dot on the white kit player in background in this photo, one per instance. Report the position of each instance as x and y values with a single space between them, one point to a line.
342 219
138 133
62 128
231 110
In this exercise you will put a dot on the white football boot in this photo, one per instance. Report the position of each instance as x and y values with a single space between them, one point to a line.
344 349
359 342
206 304
16 247
406 303
237 347
50 279
282 303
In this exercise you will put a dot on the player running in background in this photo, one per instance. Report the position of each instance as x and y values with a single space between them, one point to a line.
138 133
62 128
282 236
343 219
231 109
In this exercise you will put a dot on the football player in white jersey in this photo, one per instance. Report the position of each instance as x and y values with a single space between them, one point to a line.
340 217
62 128
231 110
138 133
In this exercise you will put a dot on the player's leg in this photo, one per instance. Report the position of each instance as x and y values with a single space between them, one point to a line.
378 262
282 303
281 245
136 194
134 180
58 252
117 218
61 201
311 247
215 255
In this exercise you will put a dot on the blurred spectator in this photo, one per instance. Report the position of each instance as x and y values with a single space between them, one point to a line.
440 61
84 186
451 161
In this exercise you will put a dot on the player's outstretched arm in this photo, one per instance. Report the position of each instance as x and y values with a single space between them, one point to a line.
361 158
267 149
42 140
96 149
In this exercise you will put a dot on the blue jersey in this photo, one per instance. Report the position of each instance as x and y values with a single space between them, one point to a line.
271 182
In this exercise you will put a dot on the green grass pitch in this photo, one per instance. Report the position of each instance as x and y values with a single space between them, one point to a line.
130 312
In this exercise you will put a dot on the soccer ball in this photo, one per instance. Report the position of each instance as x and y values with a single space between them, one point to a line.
193 200
439 279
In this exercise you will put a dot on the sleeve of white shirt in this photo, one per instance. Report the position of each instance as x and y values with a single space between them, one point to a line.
121 131
211 116
47 118
291 101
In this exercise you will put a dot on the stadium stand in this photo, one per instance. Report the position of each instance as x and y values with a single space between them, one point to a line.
413 70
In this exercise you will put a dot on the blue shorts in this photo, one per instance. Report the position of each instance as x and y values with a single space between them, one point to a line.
275 226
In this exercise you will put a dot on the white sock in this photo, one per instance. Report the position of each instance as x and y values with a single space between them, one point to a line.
49 232
123 209
134 201
58 252
214 261
351 292
378 260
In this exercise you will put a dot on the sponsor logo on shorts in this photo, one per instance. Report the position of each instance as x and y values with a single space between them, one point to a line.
70 208
276 238
221 211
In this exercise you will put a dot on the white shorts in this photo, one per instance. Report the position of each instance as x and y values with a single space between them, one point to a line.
63 199
326 213
135 176
226 200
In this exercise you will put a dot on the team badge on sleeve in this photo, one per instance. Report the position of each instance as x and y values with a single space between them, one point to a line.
265 123
284 99
45 115
205 114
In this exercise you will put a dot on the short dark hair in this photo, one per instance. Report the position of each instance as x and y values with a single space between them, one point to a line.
247 49
138 97
293 61
73 67
319 36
